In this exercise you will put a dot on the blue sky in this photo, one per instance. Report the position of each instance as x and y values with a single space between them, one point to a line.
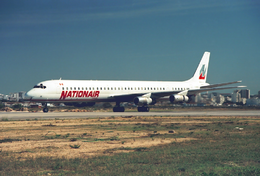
128 40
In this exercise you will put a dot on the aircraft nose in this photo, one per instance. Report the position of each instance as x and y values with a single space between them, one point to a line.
27 96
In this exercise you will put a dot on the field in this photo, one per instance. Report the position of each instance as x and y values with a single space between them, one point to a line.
131 146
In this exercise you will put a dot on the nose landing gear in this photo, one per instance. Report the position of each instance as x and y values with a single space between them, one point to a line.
45 109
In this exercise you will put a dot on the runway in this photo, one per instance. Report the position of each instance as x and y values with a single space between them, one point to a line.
67 115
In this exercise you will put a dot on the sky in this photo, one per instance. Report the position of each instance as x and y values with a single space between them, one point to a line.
154 40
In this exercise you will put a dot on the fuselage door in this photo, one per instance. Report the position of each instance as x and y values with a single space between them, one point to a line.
59 88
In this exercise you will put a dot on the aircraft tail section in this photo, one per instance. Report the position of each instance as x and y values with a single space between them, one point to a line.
200 75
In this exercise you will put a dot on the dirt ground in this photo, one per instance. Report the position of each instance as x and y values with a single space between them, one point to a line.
60 138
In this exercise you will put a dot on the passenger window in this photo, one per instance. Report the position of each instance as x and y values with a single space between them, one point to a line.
75 88
62 88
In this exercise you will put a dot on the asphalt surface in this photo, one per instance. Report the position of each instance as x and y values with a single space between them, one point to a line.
70 115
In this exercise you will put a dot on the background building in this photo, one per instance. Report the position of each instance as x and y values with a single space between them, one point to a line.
245 93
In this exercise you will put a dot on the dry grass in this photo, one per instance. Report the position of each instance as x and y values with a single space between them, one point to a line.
94 136
161 145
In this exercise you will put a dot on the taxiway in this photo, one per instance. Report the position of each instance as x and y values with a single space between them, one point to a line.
67 115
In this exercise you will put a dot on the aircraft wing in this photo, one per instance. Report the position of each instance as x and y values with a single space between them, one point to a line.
218 85
130 97
190 92
196 91
125 97
153 95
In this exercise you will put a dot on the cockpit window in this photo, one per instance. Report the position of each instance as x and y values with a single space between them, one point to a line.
40 86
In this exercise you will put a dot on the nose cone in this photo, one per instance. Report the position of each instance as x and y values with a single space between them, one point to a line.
28 96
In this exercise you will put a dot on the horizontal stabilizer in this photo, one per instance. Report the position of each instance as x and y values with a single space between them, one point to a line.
195 91
221 84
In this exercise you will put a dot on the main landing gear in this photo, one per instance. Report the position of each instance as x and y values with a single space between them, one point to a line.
45 109
118 108
143 109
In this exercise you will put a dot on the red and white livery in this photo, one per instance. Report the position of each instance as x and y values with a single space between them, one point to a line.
142 93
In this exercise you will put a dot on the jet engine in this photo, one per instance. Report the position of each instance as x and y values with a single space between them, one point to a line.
175 98
144 101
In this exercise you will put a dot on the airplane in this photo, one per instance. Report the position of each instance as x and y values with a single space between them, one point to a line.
142 93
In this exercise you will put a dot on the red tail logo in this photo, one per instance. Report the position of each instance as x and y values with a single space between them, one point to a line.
203 72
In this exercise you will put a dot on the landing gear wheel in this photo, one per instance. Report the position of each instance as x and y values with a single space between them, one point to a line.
45 110
118 109
143 109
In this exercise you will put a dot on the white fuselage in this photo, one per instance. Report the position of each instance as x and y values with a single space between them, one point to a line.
100 91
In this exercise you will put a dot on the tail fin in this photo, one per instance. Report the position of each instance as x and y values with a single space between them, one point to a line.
200 75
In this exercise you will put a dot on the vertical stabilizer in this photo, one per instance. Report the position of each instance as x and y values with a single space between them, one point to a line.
200 75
